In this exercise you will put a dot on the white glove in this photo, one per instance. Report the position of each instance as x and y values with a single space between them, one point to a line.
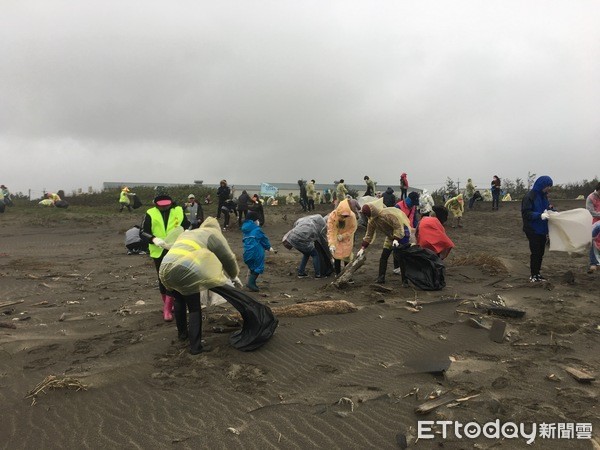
395 243
360 252
545 215
332 249
339 238
160 243
237 282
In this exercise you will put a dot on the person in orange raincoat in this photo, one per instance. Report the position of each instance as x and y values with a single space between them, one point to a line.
432 235
341 226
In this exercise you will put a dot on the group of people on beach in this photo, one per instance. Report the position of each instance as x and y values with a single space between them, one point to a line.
200 257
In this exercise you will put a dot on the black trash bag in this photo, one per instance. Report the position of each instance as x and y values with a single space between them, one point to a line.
136 202
324 259
424 268
8 201
61 204
2 207
259 321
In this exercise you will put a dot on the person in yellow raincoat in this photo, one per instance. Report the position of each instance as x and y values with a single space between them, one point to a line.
341 226
199 260
124 200
340 192
394 225
456 206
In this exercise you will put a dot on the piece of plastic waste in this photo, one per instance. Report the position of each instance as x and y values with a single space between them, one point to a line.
424 268
570 231
259 321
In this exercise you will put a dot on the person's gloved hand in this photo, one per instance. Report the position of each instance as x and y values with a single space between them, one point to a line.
332 249
395 243
160 243
237 282
340 238
545 215
360 252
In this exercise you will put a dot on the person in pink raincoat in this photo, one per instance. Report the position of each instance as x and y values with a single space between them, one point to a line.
341 226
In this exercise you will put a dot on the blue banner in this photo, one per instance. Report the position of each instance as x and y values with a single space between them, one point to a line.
268 190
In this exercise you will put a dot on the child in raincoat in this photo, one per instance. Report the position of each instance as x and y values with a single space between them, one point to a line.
456 205
255 244
341 226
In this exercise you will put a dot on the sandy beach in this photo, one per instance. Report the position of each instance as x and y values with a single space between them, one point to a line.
85 311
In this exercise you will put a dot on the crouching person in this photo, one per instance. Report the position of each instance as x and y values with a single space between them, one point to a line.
309 237
432 235
395 226
200 260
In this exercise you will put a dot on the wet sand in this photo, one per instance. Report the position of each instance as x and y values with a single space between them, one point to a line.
91 312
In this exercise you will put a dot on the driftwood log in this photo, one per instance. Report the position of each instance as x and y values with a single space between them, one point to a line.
345 276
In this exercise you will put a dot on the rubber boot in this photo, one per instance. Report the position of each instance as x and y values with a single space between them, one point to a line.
168 308
252 282
383 260
195 332
181 319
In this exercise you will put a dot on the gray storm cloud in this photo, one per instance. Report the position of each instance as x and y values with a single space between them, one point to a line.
274 91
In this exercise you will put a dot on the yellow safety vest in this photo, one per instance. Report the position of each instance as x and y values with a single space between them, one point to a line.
158 226
123 198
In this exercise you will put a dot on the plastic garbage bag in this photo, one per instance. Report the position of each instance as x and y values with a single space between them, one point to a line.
570 231
259 321
424 268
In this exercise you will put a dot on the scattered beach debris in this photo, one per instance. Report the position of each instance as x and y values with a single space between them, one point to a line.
8 325
346 401
431 405
553 377
55 382
506 312
580 375
5 304
498 331
380 288
345 278
233 430
477 323
315 308
140 302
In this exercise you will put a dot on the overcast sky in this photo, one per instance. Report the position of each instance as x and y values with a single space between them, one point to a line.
273 91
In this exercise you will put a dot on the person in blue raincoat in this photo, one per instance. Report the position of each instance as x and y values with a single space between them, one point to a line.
534 211
255 245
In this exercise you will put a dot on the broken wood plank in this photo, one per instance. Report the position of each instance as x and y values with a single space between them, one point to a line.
498 331
580 375
380 288
505 312
16 302
429 406
346 275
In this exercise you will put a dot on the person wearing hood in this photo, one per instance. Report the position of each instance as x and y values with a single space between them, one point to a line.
389 199
5 196
311 194
495 188
394 225
255 245
456 205
158 222
199 260
403 186
243 202
431 234
223 194
370 192
309 237
534 211
341 226
303 197
340 192
426 203
469 189
124 200
409 207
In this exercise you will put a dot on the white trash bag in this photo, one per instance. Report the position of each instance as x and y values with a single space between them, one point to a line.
570 231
